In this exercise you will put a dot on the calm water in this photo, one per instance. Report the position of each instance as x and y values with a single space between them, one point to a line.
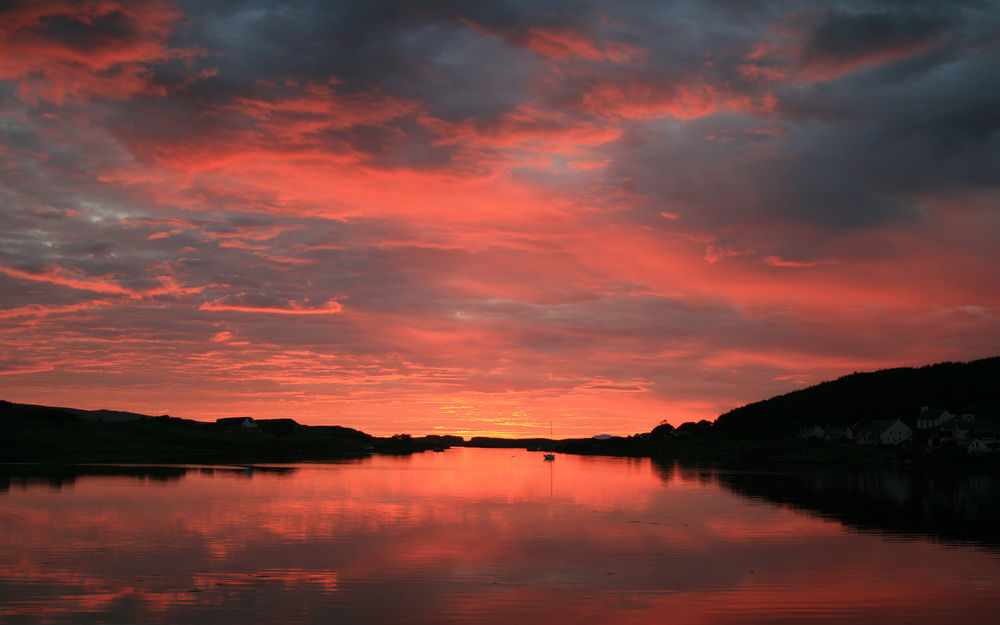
492 536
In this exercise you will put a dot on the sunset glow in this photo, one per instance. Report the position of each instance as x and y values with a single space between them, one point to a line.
490 218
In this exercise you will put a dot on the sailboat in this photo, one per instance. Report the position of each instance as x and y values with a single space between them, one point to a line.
549 457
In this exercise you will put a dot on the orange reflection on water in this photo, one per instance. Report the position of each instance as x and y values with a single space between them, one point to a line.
486 536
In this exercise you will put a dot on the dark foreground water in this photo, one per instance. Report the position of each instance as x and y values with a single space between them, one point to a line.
496 536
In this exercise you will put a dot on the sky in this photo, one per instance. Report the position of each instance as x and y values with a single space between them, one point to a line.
501 218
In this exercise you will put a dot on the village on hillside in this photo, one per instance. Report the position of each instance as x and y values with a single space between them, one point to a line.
930 430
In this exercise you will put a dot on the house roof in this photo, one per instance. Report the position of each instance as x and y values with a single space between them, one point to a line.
232 420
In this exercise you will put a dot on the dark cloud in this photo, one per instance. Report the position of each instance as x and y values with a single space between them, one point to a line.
843 37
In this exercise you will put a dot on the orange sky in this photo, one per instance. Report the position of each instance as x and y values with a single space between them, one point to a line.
489 219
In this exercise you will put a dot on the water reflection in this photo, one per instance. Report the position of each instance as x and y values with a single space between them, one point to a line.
480 536
57 476
948 505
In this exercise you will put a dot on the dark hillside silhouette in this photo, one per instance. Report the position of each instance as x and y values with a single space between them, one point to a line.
862 397
30 433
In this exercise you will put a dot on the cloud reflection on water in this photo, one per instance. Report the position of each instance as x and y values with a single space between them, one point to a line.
485 536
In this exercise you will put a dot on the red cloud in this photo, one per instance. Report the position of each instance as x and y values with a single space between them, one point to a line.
824 69
62 49
62 277
221 337
784 55
294 308
163 285
777 261
562 43
526 127
318 106
639 100
34 311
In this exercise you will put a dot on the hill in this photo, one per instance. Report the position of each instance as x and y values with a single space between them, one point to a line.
768 431
31 433
55 412
972 387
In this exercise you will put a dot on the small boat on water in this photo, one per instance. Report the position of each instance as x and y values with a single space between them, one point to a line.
550 456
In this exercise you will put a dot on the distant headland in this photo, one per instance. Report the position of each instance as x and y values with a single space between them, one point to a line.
948 412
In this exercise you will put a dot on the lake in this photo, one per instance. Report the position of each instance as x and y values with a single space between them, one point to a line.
496 536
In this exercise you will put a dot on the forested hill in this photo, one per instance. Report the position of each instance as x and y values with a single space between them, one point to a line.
970 387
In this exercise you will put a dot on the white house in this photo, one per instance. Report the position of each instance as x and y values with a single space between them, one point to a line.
885 432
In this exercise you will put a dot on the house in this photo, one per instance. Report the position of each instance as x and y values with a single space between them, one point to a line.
835 432
813 431
885 432
978 447
955 430
237 423
930 419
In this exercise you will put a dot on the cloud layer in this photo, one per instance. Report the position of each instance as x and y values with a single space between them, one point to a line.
486 217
